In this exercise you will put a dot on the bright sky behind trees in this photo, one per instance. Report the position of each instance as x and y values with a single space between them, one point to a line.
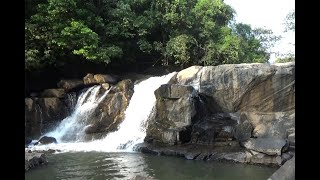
269 14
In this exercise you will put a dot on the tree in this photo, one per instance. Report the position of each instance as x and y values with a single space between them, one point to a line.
254 43
290 22
127 32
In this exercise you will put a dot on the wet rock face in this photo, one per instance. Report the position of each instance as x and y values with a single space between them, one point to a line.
173 113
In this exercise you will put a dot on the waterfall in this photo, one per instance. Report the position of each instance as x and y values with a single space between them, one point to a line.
131 131
71 129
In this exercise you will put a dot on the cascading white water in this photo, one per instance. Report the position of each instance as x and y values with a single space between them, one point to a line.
131 130
71 129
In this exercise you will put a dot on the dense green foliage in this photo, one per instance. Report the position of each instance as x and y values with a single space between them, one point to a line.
167 32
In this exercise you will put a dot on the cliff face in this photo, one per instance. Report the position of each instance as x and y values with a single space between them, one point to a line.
253 104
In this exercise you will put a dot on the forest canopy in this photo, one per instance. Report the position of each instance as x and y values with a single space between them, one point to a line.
125 32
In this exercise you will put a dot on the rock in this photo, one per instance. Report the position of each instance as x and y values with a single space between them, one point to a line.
292 139
46 140
234 101
58 93
105 86
269 146
139 177
190 76
191 155
70 84
110 112
263 93
89 79
285 157
42 114
285 172
105 78
217 127
240 157
203 133
174 91
34 159
243 131
245 87
173 113
259 158
27 140
271 124
226 134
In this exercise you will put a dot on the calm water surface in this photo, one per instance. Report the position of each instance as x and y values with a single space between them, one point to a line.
101 166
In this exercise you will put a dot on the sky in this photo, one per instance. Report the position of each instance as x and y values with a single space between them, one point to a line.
269 14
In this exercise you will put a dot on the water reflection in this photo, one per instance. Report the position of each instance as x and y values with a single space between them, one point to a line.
115 166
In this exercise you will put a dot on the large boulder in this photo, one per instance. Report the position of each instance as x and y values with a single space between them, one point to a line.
110 112
105 78
70 84
42 114
243 131
46 140
263 94
173 113
58 93
244 87
89 79
271 124
227 102
269 146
